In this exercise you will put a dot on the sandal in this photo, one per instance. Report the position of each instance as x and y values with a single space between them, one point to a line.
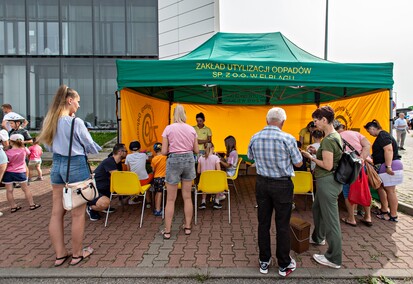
382 215
367 223
86 252
166 235
346 221
393 219
34 207
15 209
60 260
187 231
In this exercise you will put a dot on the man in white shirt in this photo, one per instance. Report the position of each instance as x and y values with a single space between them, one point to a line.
401 128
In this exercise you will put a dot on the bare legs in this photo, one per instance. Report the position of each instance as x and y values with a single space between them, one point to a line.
56 230
388 200
26 190
170 204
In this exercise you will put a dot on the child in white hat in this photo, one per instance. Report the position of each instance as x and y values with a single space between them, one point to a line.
16 172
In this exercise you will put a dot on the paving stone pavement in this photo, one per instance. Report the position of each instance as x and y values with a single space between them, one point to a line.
213 244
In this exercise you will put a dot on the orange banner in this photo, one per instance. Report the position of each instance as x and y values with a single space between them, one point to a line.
143 119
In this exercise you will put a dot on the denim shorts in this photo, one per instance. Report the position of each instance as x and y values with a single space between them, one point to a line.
79 169
10 177
180 167
346 190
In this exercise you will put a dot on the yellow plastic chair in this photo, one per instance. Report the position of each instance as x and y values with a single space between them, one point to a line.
163 196
127 183
303 184
213 182
234 177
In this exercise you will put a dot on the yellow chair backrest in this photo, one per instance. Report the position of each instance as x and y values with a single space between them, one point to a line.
213 181
303 182
236 171
126 183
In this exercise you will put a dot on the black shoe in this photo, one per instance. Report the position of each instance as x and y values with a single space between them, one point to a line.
217 206
401 148
93 215
202 206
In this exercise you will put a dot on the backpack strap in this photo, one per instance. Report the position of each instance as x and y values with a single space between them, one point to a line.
351 147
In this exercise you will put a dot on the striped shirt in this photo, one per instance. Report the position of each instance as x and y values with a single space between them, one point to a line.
274 152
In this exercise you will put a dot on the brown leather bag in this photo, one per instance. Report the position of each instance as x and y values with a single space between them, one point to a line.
373 177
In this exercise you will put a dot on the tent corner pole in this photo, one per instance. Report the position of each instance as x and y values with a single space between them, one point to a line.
118 117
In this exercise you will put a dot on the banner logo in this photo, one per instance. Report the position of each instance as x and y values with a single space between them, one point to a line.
344 116
145 126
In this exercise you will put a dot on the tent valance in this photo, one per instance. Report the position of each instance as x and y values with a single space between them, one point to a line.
252 69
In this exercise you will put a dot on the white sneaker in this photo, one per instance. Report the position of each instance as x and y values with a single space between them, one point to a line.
1 214
221 196
264 266
284 272
321 259
322 243
134 200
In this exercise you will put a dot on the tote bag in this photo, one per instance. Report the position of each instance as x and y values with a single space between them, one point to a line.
360 191
372 176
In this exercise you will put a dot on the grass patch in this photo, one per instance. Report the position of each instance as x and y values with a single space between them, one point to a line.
103 137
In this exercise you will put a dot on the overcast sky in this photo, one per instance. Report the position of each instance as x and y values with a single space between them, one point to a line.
360 31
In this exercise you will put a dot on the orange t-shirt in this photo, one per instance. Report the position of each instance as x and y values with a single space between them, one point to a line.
159 166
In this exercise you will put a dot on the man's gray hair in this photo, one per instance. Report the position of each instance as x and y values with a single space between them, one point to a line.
276 114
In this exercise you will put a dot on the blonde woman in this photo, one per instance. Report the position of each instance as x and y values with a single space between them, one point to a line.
55 134
180 143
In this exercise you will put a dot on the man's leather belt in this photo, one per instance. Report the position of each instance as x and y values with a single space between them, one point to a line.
277 178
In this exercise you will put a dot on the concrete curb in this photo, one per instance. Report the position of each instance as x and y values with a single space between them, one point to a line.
246 273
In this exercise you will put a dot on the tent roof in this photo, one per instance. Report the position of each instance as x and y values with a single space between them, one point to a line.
257 69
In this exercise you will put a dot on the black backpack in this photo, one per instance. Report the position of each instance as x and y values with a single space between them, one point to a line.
349 166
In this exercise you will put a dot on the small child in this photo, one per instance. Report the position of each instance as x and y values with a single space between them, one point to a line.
312 149
159 172
209 161
136 162
16 172
35 160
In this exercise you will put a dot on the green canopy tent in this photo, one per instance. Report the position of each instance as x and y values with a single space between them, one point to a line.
252 69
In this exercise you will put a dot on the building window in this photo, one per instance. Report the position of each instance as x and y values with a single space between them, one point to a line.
44 81
77 26
43 27
110 27
142 27
12 27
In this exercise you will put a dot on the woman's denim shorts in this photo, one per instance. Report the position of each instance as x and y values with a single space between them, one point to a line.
180 167
79 169
10 177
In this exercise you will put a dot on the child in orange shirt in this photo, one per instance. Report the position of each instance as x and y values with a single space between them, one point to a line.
159 172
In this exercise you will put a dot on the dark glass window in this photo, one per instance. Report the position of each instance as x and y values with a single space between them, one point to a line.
110 37
12 27
44 81
77 73
142 27
43 27
13 83
77 27
105 74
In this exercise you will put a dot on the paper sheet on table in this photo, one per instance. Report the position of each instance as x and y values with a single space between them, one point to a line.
389 180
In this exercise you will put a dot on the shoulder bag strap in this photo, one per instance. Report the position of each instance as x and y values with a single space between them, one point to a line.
339 145
351 147
70 149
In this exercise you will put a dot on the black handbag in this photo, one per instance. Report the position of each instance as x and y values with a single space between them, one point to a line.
349 166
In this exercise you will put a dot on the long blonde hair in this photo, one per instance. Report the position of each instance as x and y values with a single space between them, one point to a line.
49 126
179 114
208 149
